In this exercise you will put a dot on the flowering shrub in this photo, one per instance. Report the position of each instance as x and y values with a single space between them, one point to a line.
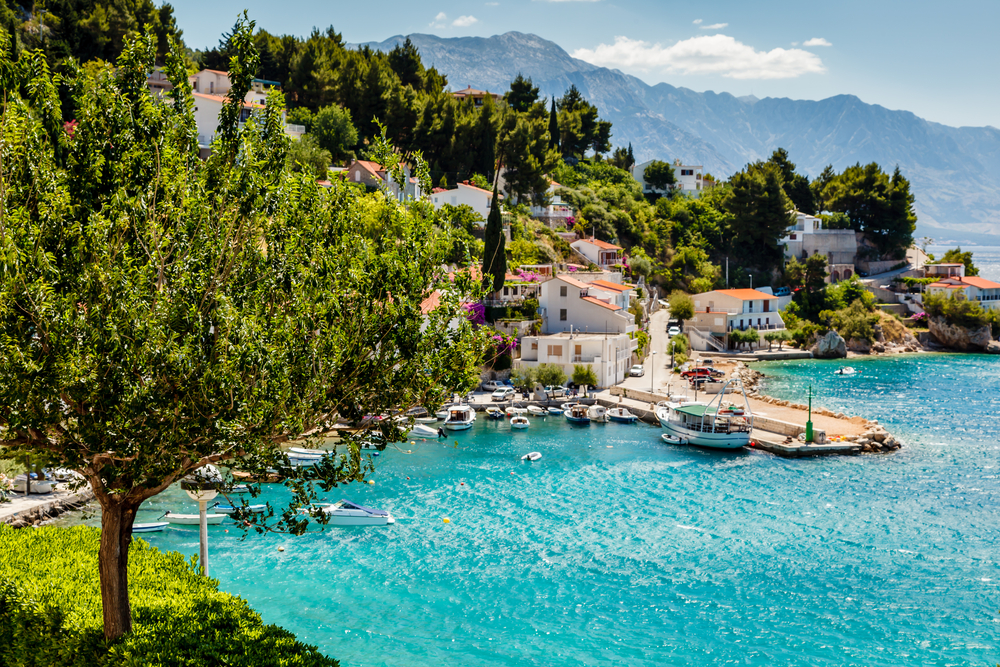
475 312
528 276
573 269
570 222
6 486
920 318
503 343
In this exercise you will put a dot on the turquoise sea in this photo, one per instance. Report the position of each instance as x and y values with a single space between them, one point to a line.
615 549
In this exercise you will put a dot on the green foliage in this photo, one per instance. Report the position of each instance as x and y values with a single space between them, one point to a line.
681 306
640 264
583 374
796 186
524 376
760 215
307 156
659 175
680 358
335 132
494 254
808 277
856 321
680 343
738 339
480 181
550 374
778 337
50 610
522 95
956 256
643 339
848 292
957 311
580 129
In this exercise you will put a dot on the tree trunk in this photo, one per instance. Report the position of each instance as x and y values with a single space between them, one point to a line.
112 563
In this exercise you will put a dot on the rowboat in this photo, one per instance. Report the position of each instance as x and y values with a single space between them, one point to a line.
519 421
621 415
229 509
537 411
555 411
154 527
193 519
597 413
531 456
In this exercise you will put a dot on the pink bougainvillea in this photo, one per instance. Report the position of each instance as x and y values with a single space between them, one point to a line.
504 343
70 127
570 222
920 318
475 312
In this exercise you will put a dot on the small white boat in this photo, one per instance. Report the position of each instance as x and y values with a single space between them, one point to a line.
229 509
597 413
441 414
531 456
240 488
621 415
303 452
537 411
845 370
346 513
426 420
511 411
577 414
154 527
422 431
519 421
37 485
460 418
674 439
566 406
494 412
193 519
555 411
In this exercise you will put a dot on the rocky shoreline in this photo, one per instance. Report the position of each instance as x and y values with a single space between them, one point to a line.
874 440
25 513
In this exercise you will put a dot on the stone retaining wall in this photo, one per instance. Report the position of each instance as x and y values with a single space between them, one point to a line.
48 508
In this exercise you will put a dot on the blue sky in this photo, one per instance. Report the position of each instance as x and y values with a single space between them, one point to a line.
939 60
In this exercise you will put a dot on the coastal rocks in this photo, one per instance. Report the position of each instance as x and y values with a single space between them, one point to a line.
830 346
877 440
878 348
859 346
993 347
961 338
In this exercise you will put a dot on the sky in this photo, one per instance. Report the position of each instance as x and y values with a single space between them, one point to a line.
939 60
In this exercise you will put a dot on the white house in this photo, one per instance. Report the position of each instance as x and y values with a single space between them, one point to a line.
689 178
569 304
972 288
806 237
479 199
209 88
557 212
718 312
944 270
610 355
603 254
372 174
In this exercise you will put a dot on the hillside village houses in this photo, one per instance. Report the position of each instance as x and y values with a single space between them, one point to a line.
689 178
477 96
556 213
718 312
479 199
584 323
373 175
605 255
806 237
953 281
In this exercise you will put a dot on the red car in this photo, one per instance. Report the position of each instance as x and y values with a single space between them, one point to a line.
697 373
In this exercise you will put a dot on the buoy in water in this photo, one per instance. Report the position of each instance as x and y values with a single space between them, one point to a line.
281 548
372 482
447 520
461 483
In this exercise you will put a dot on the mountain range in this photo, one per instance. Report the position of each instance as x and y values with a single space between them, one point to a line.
954 171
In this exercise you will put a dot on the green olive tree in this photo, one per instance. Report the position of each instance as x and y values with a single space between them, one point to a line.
159 313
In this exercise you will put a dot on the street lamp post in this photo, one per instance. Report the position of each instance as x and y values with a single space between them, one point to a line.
652 371
202 486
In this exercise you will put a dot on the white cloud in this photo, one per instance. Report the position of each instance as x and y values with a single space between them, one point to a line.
816 41
714 26
440 21
707 54
464 21
696 21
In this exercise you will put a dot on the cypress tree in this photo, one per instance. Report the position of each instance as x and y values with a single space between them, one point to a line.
553 127
494 250
631 158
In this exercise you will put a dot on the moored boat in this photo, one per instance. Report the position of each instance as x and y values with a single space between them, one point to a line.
460 418
511 411
673 439
621 415
597 413
422 431
845 370
519 421
531 456
494 412
577 414
230 509
346 513
537 411
555 411
153 527
710 424
193 519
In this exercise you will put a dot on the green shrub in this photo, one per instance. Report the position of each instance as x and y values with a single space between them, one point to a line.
50 610
956 311
550 374
853 322
681 343
680 358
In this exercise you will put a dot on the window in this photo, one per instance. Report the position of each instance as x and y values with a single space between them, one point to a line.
506 291
562 314
211 87
751 306
767 321
555 350
534 345
562 291
357 176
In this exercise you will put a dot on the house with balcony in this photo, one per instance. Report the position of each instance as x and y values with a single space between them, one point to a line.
688 178
557 212
944 270
478 97
719 312
605 255
479 199
971 288
805 237
210 87
583 323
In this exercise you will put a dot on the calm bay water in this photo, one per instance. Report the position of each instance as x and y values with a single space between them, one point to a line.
615 549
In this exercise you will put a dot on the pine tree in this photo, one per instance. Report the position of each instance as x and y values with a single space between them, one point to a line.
631 158
553 127
494 250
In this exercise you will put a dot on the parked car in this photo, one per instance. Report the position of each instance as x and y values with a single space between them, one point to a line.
673 331
502 394
637 371
556 391
700 372
493 385
697 382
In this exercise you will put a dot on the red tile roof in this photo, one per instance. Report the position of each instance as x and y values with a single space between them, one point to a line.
981 283
947 285
745 294
604 284
601 303
431 302
572 281
603 245
473 187
370 167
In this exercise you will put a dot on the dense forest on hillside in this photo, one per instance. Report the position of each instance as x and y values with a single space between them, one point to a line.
341 94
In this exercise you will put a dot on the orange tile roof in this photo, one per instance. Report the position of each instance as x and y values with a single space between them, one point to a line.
572 281
601 303
603 245
222 99
604 284
981 283
431 302
370 167
745 294
947 285
473 187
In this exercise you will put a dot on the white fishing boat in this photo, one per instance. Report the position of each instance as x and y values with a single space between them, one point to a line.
154 527
566 406
346 513
193 519
531 456
519 421
37 485
230 509
845 370
303 452
673 439
577 414
441 414
423 432
511 411
239 488
555 411
426 420
597 413
710 424
621 415
460 418
494 412
537 411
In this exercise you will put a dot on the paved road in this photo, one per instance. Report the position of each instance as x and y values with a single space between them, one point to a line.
880 279
655 377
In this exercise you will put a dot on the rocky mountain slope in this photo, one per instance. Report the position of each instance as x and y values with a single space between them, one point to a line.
955 172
